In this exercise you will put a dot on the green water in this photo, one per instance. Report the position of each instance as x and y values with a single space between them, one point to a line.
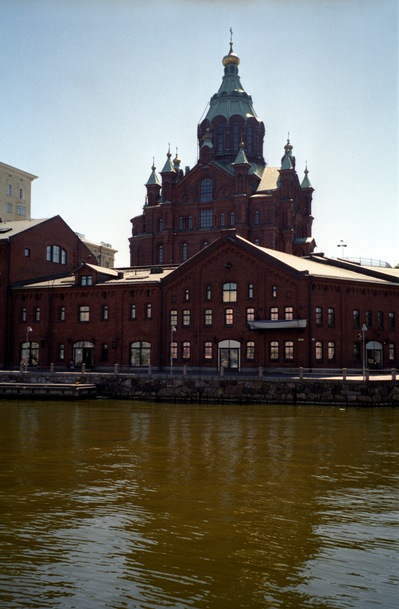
115 504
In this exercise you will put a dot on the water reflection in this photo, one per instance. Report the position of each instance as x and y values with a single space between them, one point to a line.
133 505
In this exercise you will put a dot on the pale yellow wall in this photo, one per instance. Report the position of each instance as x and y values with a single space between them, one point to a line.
103 252
17 205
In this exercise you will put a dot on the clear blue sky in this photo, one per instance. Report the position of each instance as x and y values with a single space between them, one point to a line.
92 90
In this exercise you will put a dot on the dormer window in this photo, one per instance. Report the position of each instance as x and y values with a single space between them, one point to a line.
86 280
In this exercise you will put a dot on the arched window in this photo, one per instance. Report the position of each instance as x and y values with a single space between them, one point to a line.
160 254
257 217
140 353
208 350
273 313
274 354
206 191
222 220
220 138
186 350
289 350
184 252
232 218
250 350
250 139
161 225
236 136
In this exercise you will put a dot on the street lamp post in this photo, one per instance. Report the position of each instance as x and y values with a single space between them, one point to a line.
364 330
172 329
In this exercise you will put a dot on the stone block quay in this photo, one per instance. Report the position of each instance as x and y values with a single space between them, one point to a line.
352 391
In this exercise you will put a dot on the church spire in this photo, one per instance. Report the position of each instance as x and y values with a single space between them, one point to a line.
306 182
288 161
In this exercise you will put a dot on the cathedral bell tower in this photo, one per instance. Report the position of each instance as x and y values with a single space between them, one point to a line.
231 119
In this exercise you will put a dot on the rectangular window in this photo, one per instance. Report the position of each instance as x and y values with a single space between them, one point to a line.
181 222
132 311
21 210
392 320
208 317
9 208
173 318
190 222
84 313
319 316
391 352
86 280
186 317
331 317
331 351
105 312
229 292
208 292
61 352
380 320
369 320
148 311
56 254
228 317
356 319
27 252
10 189
250 291
206 218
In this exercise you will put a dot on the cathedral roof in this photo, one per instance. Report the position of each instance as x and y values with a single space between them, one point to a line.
231 98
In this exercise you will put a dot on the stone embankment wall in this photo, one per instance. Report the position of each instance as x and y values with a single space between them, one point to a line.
226 390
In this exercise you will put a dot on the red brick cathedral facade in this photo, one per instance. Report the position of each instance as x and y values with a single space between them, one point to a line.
223 273
230 186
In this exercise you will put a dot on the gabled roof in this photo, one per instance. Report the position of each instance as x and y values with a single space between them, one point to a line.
10 229
313 266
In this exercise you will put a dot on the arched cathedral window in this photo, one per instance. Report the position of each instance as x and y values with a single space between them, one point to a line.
206 191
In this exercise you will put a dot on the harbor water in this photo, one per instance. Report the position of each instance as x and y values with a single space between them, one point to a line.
135 505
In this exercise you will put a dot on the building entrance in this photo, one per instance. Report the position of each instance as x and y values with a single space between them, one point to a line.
83 353
229 355
374 355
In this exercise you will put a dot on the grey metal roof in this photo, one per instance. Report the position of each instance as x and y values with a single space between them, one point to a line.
9 229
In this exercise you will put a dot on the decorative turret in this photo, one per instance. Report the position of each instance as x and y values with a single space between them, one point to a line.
168 174
288 161
306 182
153 186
